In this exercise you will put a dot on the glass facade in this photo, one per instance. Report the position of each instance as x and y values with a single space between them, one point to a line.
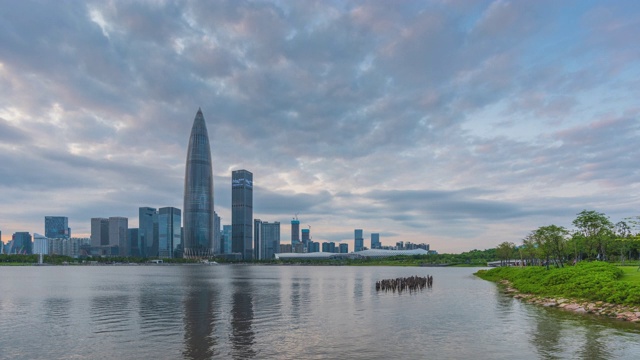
358 240
169 232
56 227
148 231
242 213
198 193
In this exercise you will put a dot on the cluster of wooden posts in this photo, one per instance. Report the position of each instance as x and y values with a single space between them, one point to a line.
413 283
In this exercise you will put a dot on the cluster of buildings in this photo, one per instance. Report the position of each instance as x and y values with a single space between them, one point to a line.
193 232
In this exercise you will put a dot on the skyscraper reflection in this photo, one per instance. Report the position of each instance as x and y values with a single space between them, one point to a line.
242 335
199 316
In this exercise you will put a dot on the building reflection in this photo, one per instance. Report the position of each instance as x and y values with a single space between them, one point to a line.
199 316
242 334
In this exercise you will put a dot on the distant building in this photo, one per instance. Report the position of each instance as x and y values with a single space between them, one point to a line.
40 244
99 232
132 235
21 242
226 239
56 227
358 240
306 238
216 234
344 248
257 239
314 246
329 247
285 249
266 237
375 241
295 231
169 232
242 213
148 231
118 227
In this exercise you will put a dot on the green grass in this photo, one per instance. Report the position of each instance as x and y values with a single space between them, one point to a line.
630 274
592 281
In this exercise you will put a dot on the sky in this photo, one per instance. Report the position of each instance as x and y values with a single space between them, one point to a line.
461 124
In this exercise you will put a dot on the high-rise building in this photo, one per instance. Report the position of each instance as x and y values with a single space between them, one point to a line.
329 247
226 239
358 240
257 239
306 238
270 239
99 232
118 227
198 240
56 227
295 231
148 231
40 244
375 241
242 213
132 235
169 232
217 233
344 248
22 243
266 239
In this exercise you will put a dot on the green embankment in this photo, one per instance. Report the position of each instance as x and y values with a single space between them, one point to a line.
593 281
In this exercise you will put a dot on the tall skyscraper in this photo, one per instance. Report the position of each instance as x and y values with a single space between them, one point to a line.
198 193
148 231
358 240
375 241
169 232
118 227
295 231
306 238
56 227
99 232
242 213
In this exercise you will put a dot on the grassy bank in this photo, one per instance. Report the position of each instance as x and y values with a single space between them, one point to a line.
589 281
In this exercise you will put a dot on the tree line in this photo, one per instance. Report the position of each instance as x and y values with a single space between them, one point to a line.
594 237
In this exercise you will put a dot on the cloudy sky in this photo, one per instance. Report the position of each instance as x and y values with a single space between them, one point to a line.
461 124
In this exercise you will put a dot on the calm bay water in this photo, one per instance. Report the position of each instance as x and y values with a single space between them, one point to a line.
284 312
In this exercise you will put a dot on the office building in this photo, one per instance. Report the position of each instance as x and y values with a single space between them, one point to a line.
329 247
285 248
375 241
56 227
118 227
21 243
132 235
344 248
306 238
40 244
148 231
358 240
242 213
266 239
198 193
99 232
169 232
226 239
295 231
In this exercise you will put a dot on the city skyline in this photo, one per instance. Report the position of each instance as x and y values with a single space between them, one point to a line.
458 124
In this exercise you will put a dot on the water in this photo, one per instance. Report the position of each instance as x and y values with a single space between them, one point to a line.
284 312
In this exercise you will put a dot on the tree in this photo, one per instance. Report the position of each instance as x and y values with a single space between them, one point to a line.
596 229
505 252
551 241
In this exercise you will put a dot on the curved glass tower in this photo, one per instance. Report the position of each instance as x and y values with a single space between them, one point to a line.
198 193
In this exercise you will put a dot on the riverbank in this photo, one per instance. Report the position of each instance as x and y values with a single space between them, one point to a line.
595 288
599 308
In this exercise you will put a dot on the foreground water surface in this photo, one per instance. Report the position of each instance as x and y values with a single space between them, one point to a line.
284 312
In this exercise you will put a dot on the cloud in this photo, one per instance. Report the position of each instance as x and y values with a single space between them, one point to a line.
463 124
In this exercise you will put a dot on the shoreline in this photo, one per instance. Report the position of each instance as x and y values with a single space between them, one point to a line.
599 308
